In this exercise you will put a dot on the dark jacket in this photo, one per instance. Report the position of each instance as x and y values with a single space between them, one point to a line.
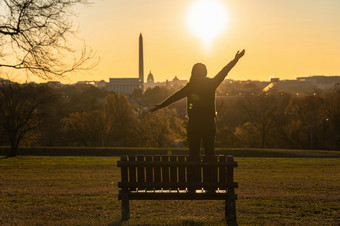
200 94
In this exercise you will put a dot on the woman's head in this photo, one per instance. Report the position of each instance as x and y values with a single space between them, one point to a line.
198 71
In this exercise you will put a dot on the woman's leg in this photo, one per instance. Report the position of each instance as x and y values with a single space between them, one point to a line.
209 133
194 138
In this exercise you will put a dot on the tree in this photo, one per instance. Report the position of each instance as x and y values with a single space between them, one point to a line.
161 128
308 112
155 95
85 127
259 110
230 115
22 109
333 117
248 133
34 35
120 120
79 98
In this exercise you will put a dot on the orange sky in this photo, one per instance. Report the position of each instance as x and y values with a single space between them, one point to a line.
283 38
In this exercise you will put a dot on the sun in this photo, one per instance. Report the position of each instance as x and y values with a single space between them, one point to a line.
207 19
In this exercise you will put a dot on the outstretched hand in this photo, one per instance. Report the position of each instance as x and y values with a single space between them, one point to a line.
239 54
155 108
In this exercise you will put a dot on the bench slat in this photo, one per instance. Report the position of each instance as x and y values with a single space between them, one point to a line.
179 163
230 171
173 170
181 170
177 196
124 193
149 169
174 186
140 171
194 168
165 170
222 171
124 171
157 169
132 170
209 172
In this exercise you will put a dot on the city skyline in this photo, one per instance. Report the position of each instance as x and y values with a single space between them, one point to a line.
284 39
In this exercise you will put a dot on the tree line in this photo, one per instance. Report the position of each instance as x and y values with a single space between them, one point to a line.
83 115
34 38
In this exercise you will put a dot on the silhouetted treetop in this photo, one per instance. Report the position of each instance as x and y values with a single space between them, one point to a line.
34 37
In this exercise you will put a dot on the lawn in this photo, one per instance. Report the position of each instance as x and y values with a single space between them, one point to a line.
83 191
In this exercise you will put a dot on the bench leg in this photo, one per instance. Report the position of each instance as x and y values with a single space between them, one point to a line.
230 208
125 206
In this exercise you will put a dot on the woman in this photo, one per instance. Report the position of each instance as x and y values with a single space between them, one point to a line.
200 94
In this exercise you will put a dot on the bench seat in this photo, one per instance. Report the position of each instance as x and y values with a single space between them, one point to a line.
178 178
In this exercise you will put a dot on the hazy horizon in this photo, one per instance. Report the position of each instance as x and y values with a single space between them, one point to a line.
284 39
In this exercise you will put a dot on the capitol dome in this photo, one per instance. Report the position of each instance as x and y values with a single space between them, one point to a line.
150 78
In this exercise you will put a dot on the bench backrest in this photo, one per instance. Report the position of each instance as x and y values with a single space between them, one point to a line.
177 172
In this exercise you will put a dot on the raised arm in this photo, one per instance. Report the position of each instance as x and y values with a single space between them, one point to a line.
173 98
218 79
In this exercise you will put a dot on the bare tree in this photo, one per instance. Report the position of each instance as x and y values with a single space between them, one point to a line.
22 109
259 110
34 37
310 112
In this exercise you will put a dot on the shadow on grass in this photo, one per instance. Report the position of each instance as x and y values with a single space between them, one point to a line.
190 222
117 222
6 157
184 222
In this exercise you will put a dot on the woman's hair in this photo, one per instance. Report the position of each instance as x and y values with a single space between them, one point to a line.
198 71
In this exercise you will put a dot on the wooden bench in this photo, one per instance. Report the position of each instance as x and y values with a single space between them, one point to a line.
178 178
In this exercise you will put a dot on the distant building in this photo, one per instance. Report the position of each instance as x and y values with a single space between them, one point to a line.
150 81
321 81
124 85
100 84
128 85
274 80
175 83
150 78
85 83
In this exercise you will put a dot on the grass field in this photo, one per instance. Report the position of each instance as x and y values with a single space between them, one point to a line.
83 191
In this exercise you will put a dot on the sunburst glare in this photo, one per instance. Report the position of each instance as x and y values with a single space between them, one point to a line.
207 19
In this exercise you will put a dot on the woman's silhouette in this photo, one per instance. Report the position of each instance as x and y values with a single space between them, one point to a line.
200 94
